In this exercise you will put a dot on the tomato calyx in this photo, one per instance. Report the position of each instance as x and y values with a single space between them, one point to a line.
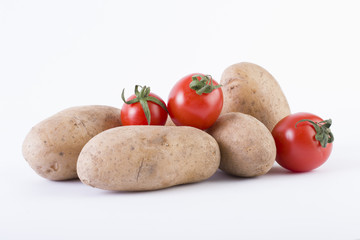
204 85
143 97
323 132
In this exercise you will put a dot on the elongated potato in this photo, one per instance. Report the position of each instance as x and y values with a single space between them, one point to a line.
250 89
246 145
52 146
139 158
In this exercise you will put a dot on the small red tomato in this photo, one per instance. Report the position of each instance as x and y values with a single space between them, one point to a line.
196 100
303 141
143 108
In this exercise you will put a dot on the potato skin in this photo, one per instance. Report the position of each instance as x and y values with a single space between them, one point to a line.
140 158
250 89
52 146
246 145
169 122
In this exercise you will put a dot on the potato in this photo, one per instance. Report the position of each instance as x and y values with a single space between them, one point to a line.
250 89
53 145
169 122
139 158
246 145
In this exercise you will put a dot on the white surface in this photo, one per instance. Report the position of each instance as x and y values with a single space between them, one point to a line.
57 54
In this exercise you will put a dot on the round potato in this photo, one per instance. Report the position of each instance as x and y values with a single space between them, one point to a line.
140 158
246 145
250 89
52 146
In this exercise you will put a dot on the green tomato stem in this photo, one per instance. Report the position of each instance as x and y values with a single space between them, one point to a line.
204 85
323 132
143 97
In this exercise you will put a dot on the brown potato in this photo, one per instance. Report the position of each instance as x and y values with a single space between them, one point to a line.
250 89
53 145
246 145
139 158
169 122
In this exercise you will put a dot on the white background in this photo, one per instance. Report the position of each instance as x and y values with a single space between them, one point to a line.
58 54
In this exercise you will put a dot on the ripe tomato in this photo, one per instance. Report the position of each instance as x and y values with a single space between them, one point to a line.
197 105
143 108
303 141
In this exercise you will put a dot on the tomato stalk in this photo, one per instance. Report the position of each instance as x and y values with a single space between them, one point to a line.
204 85
143 97
323 132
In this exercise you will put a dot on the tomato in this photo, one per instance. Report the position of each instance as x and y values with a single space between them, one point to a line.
143 108
198 105
303 141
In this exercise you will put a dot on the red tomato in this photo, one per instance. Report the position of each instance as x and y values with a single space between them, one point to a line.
187 108
134 113
301 146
